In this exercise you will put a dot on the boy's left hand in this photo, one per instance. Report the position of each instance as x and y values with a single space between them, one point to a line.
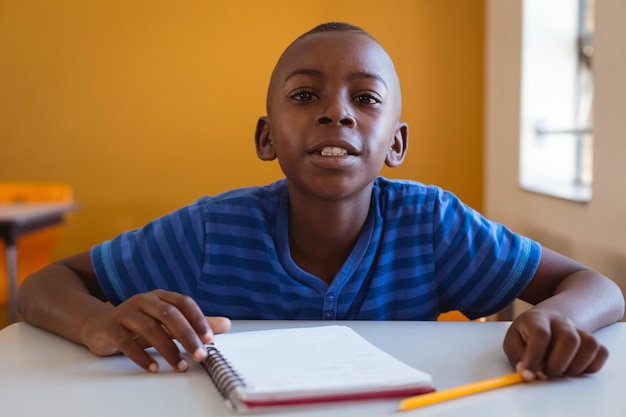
543 344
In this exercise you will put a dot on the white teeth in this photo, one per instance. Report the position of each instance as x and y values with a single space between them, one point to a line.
333 151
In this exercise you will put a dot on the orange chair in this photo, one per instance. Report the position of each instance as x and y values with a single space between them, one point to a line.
456 315
34 249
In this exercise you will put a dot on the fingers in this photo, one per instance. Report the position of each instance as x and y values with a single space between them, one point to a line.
156 323
138 334
564 345
184 321
155 319
515 348
589 358
219 324
539 347
118 331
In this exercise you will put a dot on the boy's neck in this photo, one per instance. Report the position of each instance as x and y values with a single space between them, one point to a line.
322 234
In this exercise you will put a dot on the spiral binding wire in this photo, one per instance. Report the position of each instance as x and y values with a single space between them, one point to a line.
222 373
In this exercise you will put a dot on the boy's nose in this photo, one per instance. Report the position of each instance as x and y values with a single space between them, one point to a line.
345 121
336 113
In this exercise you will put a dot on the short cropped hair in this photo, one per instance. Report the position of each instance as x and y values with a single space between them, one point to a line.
335 27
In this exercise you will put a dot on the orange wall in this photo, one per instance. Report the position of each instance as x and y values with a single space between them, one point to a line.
143 106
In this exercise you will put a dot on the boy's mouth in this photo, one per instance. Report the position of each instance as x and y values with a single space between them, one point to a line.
332 151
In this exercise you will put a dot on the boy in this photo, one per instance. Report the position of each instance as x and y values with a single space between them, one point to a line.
333 240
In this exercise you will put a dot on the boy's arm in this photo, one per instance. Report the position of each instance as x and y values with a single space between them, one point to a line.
65 298
554 337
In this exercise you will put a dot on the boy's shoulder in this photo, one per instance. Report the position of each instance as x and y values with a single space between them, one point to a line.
270 193
399 195
386 187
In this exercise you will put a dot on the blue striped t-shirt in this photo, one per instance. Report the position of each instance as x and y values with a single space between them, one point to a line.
421 252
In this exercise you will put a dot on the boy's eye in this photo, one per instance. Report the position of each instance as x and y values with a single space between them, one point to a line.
366 99
304 96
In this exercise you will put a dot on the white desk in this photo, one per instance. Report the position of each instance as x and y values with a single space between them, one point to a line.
17 219
44 375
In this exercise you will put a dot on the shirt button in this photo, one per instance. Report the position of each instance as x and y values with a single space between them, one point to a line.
330 297
329 314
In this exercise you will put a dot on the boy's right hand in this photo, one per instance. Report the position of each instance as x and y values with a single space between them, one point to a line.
153 319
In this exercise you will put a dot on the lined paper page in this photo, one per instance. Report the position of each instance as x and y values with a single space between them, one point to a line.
319 359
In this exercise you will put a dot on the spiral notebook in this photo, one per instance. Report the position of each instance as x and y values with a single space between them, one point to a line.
298 366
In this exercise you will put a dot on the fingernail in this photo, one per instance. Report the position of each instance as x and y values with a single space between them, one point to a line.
199 354
526 374
153 367
182 365
207 337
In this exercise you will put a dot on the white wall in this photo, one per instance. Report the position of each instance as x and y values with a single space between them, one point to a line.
593 233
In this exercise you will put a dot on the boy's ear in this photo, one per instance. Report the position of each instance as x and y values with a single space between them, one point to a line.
398 148
264 145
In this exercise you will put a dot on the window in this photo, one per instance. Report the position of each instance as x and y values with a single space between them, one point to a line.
556 138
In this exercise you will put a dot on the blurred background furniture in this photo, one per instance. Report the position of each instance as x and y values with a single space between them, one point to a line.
31 222
456 315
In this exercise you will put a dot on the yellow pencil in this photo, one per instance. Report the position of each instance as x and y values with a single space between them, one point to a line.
460 391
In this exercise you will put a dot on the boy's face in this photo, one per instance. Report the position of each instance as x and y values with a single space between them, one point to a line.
333 114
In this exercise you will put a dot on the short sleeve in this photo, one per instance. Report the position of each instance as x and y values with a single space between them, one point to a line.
481 266
166 253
